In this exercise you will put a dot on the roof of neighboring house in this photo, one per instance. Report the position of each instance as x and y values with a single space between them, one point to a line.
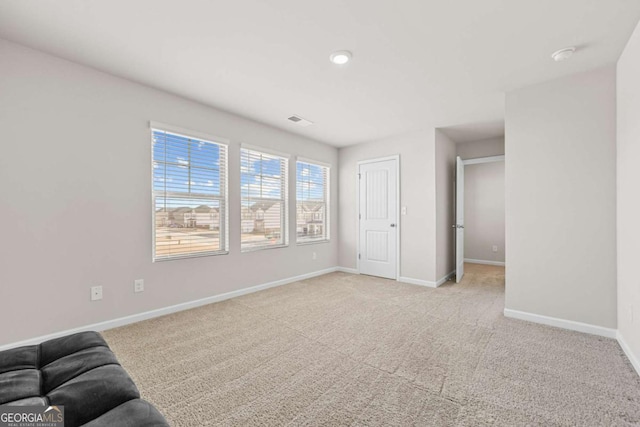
182 209
185 209
205 209
263 205
311 206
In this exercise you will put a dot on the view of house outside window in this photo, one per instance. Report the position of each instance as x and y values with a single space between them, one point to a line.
189 196
264 207
312 195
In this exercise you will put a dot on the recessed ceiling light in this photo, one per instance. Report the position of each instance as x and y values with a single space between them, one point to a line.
340 57
563 54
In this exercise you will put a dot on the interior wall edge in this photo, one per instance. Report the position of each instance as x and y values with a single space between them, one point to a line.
633 359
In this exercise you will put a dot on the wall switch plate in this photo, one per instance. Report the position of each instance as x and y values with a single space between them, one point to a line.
138 285
96 293
314 256
494 248
404 210
630 314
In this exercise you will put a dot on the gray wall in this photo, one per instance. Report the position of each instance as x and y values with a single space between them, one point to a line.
417 193
560 179
445 192
484 211
482 148
628 109
75 180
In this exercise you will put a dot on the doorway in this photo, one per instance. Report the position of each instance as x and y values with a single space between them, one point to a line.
484 217
378 217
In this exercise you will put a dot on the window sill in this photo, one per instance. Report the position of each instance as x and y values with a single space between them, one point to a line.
260 248
312 242
187 256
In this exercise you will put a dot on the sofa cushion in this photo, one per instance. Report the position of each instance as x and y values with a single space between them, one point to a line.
19 384
19 358
30 401
98 390
75 364
80 373
60 347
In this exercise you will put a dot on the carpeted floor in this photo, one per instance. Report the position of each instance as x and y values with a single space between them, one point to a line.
355 350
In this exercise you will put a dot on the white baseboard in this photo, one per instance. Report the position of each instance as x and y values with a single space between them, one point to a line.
561 323
121 321
348 270
409 280
427 283
635 360
485 262
419 282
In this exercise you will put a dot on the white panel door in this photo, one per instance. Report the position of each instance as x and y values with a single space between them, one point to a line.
459 219
378 218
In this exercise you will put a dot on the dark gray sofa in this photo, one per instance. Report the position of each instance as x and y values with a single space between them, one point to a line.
80 372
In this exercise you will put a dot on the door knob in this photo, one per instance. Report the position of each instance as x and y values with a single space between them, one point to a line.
393 225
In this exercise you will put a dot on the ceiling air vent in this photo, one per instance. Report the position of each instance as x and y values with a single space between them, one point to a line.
300 121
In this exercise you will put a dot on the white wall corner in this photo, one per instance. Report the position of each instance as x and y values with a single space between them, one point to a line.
445 278
122 321
561 323
634 359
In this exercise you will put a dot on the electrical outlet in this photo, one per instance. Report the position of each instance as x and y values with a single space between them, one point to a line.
404 210
314 256
495 248
138 285
96 293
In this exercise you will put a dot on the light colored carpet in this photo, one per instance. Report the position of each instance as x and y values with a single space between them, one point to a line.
356 350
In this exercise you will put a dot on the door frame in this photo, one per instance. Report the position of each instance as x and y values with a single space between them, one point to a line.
479 160
458 226
473 161
395 157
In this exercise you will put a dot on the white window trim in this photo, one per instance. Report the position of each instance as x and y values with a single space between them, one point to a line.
244 146
188 133
154 125
286 198
313 162
327 238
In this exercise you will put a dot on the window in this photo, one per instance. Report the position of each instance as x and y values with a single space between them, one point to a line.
264 209
189 196
312 202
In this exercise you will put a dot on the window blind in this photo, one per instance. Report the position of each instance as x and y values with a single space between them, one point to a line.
264 207
189 196
312 202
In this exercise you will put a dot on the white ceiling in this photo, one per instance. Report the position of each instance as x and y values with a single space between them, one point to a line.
416 63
